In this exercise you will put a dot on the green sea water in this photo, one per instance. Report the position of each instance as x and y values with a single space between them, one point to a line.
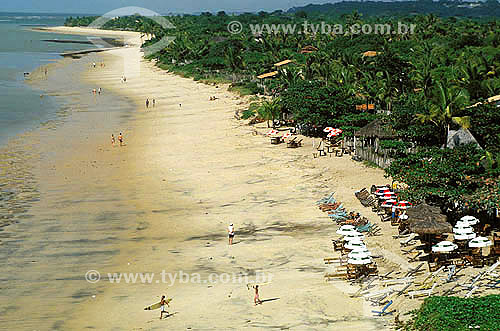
21 51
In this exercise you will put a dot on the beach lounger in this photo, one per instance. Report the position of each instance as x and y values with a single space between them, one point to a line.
386 276
406 242
378 293
384 309
452 269
419 293
403 290
329 199
385 218
413 271
415 257
396 281
472 290
450 291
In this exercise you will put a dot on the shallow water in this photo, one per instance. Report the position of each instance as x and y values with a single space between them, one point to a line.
21 51
50 235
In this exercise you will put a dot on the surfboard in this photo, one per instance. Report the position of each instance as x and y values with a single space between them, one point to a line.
157 305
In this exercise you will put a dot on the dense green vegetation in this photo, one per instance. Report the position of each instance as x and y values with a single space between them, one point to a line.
453 313
423 84
377 8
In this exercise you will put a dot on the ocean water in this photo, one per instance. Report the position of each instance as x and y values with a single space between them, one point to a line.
21 51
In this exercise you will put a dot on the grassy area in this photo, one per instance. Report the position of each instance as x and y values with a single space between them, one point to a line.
452 313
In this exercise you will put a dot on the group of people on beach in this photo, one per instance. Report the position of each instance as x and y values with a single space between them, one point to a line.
120 139
97 91
153 103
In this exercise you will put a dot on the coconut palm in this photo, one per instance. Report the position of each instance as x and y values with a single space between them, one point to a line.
449 102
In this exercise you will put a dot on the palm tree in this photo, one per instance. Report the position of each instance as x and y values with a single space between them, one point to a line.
443 109
269 110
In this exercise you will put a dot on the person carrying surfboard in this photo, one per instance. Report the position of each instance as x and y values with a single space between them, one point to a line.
163 302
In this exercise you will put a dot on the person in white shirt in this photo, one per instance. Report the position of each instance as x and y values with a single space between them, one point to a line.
230 231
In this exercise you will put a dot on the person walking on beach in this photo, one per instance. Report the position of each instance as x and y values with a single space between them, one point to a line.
147 103
99 91
393 210
120 139
163 302
154 103
256 298
112 140
230 232
93 64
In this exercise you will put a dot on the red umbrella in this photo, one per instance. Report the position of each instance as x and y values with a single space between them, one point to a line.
388 196
388 204
403 205
328 129
272 132
382 191
287 135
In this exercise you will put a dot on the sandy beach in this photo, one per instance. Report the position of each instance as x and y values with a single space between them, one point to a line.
187 170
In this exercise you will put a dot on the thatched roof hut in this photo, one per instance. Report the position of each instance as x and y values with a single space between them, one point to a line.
377 129
425 219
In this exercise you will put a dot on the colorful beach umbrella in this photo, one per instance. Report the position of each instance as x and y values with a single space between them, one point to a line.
382 191
388 204
388 196
287 135
328 129
444 247
403 205
470 219
480 242
272 132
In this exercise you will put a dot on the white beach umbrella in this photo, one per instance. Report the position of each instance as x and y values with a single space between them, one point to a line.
354 235
355 244
462 229
360 260
470 219
345 232
359 252
480 242
328 129
464 236
287 135
346 229
462 224
444 246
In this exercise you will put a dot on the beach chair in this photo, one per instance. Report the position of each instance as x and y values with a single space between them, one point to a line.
329 199
413 271
415 257
386 276
385 218
374 230
384 309
452 270
403 290
406 242
419 293
472 290
404 280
